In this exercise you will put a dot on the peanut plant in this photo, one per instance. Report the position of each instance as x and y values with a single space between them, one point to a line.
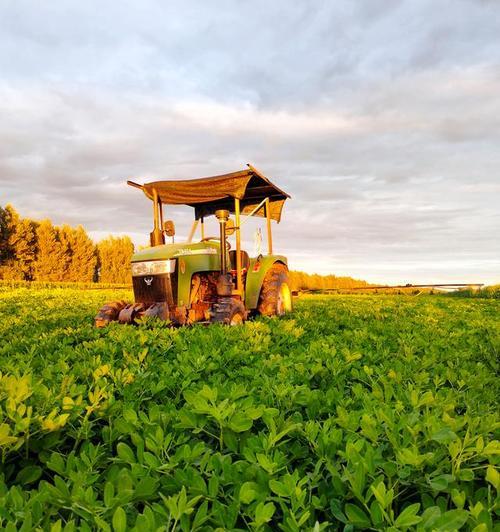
352 413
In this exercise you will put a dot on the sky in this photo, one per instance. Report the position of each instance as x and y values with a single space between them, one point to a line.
380 118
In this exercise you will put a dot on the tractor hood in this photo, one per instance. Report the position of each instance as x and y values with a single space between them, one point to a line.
171 251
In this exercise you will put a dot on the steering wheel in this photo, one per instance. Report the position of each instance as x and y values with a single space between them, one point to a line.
207 238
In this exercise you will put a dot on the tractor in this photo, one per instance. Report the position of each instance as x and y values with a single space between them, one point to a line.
205 280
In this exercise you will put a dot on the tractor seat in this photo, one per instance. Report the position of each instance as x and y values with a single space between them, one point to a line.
245 261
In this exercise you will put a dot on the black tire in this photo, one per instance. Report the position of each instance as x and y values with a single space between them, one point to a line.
275 297
229 311
109 312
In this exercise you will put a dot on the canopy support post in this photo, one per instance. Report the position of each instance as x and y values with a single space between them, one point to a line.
202 227
156 235
155 210
239 282
192 232
269 231
161 214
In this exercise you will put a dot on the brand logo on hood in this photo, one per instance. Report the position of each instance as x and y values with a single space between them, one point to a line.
148 280
203 251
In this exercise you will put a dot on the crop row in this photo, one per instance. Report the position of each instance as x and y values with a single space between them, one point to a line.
352 413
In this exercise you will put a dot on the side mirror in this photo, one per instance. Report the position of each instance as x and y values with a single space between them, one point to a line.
169 228
230 227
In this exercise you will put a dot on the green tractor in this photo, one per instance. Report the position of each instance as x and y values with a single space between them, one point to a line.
207 281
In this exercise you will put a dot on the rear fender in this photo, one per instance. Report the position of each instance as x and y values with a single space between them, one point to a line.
255 277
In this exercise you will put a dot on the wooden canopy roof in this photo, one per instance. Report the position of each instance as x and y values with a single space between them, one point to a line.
209 194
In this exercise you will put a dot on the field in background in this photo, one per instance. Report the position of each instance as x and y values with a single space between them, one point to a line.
370 411
487 292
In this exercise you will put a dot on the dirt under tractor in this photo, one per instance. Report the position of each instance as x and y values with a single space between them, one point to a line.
205 280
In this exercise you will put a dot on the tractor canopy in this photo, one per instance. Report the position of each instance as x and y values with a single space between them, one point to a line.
209 194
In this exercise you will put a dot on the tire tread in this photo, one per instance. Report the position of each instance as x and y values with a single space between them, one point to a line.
269 293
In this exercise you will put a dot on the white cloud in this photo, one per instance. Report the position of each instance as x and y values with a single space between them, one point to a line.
381 119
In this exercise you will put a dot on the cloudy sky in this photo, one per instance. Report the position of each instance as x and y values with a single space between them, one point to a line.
381 118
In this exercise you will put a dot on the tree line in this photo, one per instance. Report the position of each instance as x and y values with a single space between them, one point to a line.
308 281
39 251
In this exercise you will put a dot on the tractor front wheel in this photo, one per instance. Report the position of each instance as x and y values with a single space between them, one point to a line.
229 311
275 295
109 312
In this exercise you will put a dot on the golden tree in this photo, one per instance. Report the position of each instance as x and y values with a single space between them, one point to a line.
51 263
4 235
83 256
18 245
115 254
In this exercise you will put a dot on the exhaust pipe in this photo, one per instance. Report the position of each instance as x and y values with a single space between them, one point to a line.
223 216
225 282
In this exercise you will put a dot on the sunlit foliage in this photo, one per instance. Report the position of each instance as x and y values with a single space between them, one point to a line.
369 412
40 251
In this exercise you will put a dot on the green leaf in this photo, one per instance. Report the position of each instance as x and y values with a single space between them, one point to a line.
381 494
56 463
130 416
124 482
29 474
430 516
150 517
209 393
408 516
213 486
279 488
27 525
240 422
102 525
336 510
145 488
493 448
466 475
440 483
57 526
248 492
356 515
264 512
357 481
119 520
125 453
196 401
376 513
444 435
200 516
266 463
303 518
493 477
458 497
151 460
109 493
451 520
476 510
411 456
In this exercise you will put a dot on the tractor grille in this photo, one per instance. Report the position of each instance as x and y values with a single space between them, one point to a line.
161 288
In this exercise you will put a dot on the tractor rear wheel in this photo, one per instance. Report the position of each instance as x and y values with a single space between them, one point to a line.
275 295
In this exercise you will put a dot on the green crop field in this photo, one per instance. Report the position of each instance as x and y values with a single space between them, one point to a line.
354 412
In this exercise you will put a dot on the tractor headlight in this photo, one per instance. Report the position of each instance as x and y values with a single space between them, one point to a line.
153 267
